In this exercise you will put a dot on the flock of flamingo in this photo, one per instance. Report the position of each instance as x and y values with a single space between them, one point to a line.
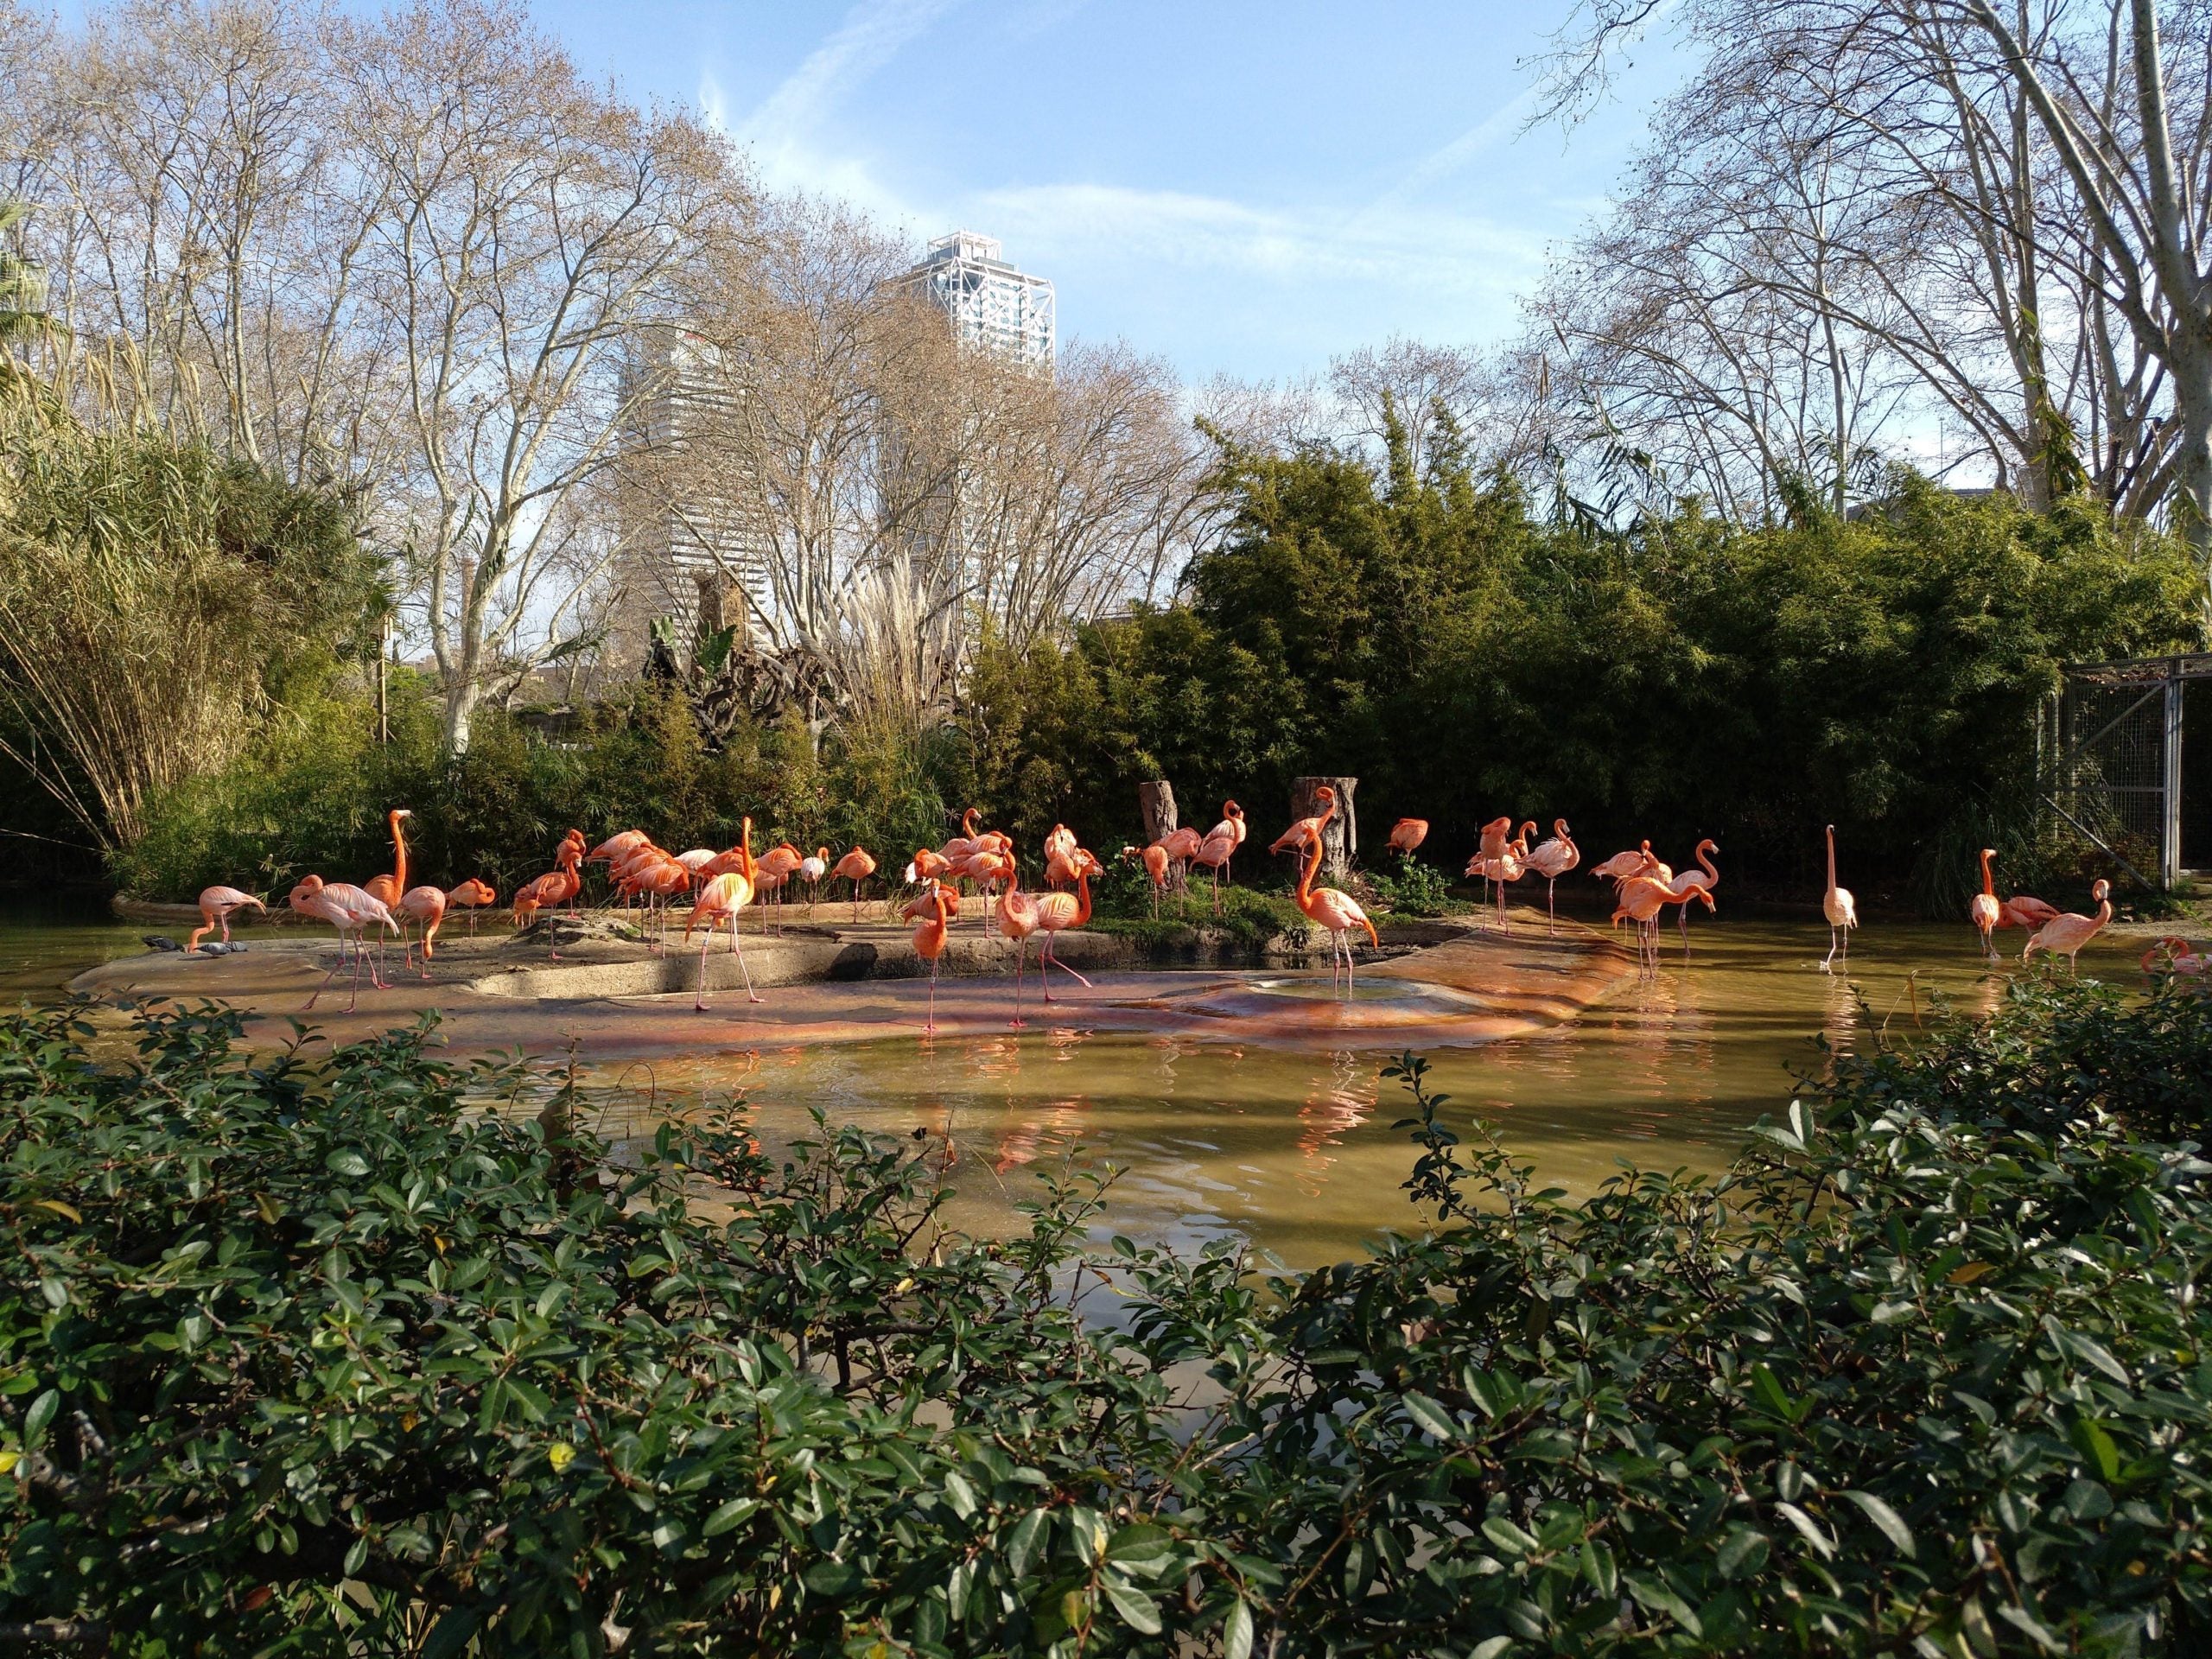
719 885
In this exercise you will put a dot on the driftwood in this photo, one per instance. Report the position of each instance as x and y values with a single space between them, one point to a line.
1156 804
1340 835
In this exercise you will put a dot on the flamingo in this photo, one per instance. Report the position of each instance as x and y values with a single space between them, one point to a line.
614 845
216 905
1507 868
1552 859
811 869
1843 912
1702 880
1407 834
726 894
1492 847
1621 866
1017 920
1181 847
1155 870
1335 910
2064 935
2180 957
425 905
1984 911
352 911
1641 900
854 866
1215 852
472 896
1060 911
569 857
776 869
1307 829
928 944
387 889
965 844
660 883
1232 830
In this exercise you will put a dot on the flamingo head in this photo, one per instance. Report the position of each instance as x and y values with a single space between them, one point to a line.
403 812
1559 827
2102 891
1325 795
310 886
1231 809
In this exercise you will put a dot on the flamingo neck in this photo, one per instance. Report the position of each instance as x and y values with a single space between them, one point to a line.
1831 860
1305 875
398 853
1705 861
1082 896
1988 885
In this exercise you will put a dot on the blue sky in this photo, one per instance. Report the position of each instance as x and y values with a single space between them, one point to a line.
1242 188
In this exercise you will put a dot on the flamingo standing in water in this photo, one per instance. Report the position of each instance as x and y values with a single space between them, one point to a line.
2180 957
1841 910
1552 859
929 945
2064 935
1333 909
352 911
726 893
426 906
1984 911
1700 882
216 907
1056 912
472 896
1406 835
387 890
1640 900
1016 917
854 866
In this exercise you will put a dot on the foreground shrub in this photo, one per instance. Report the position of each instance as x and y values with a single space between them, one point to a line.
303 1358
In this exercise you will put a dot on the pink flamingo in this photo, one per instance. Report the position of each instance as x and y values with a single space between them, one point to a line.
352 911
1215 852
1840 909
2064 935
929 945
472 896
1154 858
2180 957
1017 920
1984 911
1309 830
1701 881
1056 912
811 869
426 906
1407 834
721 898
854 866
1552 859
386 889
1333 909
216 906
776 869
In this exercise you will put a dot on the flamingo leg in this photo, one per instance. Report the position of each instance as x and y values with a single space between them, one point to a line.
1050 940
1551 906
737 945
930 1028
1020 961
699 1003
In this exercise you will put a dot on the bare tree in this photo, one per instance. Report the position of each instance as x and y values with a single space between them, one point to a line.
524 223
2068 195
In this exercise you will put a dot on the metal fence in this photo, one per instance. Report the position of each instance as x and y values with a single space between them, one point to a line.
2110 759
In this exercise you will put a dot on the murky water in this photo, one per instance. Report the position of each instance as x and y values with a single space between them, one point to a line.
1295 1149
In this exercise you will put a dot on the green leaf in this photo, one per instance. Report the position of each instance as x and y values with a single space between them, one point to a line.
1811 1531
1742 1552
1599 1567
1134 1607
1890 1522
347 1162
452 1633
1141 1541
2090 1439
41 1413
737 1510
1431 1416
1237 1633
1496 1647
832 1578
1507 1536
1656 1595
1773 1394
1021 1544
960 1495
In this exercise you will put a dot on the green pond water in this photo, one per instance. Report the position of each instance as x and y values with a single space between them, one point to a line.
1294 1148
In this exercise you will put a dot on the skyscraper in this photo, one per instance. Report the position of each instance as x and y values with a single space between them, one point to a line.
989 302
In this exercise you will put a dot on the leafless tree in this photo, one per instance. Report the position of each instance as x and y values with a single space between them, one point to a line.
2030 237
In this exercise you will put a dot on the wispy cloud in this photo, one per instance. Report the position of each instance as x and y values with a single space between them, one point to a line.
1395 246
1441 164
869 37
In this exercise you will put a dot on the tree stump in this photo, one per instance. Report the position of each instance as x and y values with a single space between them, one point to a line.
1340 835
1156 805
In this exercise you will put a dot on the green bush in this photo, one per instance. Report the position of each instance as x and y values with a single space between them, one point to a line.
374 1354
1465 659
312 793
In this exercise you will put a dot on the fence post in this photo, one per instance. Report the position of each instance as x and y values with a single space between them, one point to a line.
2169 798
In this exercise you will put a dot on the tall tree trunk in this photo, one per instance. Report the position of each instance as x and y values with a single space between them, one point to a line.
1156 803
463 697
1340 835
2192 366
